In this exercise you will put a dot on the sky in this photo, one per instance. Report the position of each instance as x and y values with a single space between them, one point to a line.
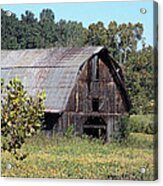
87 13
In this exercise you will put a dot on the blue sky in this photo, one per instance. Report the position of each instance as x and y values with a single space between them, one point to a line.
121 12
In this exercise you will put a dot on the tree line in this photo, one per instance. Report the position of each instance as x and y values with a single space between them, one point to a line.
122 41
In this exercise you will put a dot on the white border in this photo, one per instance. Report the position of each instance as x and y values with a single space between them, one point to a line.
53 1
41 182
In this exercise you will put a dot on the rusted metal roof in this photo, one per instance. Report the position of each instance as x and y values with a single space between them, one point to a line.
53 70
55 57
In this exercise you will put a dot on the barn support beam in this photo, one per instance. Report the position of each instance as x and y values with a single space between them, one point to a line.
86 114
109 129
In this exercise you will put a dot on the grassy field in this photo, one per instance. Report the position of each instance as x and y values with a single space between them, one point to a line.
84 158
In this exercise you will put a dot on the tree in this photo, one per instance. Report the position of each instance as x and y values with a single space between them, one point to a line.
129 35
69 34
47 28
97 34
139 75
113 39
123 39
28 17
21 115
61 33
9 31
29 31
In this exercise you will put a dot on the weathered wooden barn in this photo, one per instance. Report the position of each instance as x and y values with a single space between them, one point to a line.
84 86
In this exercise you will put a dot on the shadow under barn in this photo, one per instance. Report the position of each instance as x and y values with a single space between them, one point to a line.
95 127
50 122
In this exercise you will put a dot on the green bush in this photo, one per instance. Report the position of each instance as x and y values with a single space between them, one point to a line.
122 129
70 131
21 115
142 124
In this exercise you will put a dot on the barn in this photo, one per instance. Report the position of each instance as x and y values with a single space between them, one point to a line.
84 86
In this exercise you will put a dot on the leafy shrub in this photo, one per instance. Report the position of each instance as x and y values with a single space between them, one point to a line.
142 123
70 131
21 115
122 132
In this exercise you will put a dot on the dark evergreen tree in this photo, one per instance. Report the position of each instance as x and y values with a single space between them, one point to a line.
70 34
29 31
47 28
9 27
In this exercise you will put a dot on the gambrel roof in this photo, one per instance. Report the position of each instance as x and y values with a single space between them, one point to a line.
54 70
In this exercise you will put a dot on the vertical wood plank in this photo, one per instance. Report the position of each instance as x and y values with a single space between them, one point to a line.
109 129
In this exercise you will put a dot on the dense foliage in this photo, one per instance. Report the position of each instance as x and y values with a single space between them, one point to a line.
21 115
142 123
121 40
62 157
140 80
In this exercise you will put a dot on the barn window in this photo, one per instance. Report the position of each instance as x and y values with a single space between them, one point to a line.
95 104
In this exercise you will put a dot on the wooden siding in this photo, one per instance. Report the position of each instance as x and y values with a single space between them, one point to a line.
104 88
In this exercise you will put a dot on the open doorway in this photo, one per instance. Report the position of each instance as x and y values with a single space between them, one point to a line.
95 127
50 120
